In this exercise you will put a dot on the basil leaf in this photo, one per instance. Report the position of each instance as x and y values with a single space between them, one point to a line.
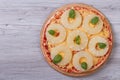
57 58
84 65
72 13
102 45
77 40
94 20
51 32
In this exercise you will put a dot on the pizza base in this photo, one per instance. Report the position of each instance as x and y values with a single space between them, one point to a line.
45 52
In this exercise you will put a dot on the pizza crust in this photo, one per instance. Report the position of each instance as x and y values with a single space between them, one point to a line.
45 50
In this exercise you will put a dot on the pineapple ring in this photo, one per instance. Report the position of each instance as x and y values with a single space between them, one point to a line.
71 37
92 30
67 56
76 22
92 46
78 56
62 33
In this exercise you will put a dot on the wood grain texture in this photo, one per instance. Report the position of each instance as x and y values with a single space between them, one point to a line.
20 25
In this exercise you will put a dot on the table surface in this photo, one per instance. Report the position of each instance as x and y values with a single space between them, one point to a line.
20 54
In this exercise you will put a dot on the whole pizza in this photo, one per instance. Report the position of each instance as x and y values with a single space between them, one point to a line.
76 39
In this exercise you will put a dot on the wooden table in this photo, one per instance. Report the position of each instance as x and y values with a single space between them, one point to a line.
20 25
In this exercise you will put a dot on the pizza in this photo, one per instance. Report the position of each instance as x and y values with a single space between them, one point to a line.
76 39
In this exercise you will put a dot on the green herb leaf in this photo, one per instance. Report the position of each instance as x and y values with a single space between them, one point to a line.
77 40
72 13
57 58
94 20
84 65
51 32
102 45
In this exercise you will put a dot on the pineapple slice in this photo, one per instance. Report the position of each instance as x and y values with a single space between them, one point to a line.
74 44
71 23
98 46
55 33
92 24
77 63
64 51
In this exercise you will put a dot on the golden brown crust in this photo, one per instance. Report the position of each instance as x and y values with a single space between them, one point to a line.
45 52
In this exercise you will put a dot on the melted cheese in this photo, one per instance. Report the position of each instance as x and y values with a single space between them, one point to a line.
62 54
83 59
71 20
91 25
70 65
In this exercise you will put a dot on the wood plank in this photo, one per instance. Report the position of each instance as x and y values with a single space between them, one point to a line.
20 25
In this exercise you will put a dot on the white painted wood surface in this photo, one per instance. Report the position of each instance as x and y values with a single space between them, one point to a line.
20 55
